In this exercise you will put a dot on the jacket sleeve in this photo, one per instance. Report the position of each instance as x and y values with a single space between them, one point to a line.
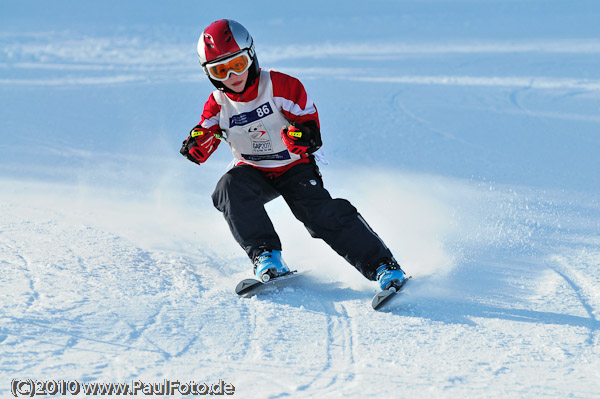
210 113
291 97
296 105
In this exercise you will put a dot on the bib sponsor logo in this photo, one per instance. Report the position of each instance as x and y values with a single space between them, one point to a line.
261 141
258 132
280 156
260 147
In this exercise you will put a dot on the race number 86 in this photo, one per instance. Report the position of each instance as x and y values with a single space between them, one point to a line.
264 110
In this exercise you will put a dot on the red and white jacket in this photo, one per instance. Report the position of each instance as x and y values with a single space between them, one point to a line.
251 121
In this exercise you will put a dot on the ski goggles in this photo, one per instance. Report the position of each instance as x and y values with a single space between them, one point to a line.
237 64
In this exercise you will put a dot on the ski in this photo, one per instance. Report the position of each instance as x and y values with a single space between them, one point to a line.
252 286
383 297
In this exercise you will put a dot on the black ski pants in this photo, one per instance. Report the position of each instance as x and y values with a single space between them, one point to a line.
242 192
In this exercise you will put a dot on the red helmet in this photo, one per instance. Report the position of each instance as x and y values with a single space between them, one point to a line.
224 39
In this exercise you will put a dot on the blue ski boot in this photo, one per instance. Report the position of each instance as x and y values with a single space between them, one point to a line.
269 264
389 275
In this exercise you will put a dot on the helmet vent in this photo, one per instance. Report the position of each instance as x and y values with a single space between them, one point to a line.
209 41
228 35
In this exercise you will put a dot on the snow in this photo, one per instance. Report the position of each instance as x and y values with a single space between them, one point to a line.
466 133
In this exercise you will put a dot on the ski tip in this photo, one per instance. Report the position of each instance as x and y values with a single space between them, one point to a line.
250 286
382 297
246 285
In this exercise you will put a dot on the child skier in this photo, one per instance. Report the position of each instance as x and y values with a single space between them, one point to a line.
272 128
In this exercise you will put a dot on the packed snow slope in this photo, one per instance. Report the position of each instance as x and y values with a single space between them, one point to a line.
466 133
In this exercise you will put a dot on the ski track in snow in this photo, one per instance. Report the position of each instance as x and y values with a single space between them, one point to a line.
578 272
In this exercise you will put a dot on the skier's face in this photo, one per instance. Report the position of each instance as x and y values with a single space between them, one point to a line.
236 82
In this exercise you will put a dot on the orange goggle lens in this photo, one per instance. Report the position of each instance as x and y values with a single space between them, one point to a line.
221 70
